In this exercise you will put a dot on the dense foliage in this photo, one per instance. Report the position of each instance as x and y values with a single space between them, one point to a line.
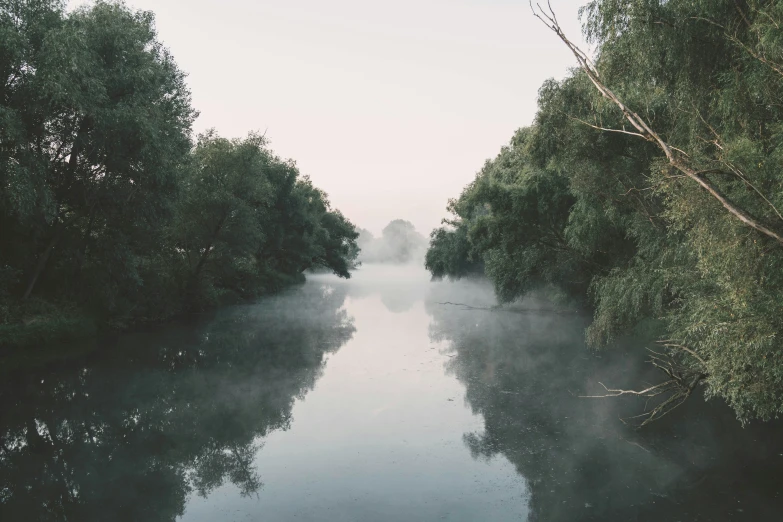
582 202
108 209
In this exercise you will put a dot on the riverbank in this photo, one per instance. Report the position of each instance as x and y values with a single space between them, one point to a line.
37 324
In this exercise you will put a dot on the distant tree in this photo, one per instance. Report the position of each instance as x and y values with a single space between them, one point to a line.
399 243
365 237
403 240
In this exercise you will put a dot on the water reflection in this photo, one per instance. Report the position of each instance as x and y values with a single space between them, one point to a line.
428 411
399 287
129 432
523 373
380 438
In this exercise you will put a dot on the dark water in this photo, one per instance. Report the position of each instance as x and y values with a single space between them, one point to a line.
367 400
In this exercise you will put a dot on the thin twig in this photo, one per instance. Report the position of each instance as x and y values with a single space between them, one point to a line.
671 344
605 128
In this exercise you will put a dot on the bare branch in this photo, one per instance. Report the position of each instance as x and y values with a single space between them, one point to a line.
685 348
611 392
680 385
644 129
518 310
605 128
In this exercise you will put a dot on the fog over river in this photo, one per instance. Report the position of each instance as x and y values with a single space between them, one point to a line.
370 399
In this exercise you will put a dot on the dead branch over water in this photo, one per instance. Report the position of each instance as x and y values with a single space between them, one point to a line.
672 393
511 310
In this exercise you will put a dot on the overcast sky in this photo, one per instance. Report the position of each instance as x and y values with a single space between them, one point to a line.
390 107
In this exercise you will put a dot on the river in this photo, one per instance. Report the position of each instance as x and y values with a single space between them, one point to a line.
385 397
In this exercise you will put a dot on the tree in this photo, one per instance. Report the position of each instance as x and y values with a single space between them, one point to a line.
219 217
99 119
108 212
247 221
399 243
667 147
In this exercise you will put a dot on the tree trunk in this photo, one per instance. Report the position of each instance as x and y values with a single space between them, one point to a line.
73 163
41 265
85 243
203 259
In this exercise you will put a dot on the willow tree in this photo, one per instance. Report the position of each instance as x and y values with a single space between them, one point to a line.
247 222
669 141
107 210
97 119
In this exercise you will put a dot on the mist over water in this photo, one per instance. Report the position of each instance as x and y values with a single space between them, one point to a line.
399 244
384 397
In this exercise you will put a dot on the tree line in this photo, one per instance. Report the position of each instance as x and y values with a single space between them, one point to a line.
110 209
649 186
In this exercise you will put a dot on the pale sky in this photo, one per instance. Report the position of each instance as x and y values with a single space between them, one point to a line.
390 107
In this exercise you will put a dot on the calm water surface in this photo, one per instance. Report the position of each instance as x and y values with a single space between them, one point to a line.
373 399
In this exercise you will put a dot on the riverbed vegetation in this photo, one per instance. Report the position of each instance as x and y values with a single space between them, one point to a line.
649 186
111 211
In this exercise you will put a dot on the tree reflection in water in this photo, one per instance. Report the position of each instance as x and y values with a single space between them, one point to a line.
524 372
127 433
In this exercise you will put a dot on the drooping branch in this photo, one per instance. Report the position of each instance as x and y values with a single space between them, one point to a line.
675 160
716 141
733 39
674 344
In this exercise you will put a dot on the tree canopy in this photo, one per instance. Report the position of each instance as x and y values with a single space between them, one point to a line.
108 208
649 186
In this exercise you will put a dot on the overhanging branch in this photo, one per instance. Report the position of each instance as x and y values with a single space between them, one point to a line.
646 132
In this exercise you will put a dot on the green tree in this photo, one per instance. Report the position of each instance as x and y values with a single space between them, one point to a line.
107 209
98 119
248 222
217 228
660 160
